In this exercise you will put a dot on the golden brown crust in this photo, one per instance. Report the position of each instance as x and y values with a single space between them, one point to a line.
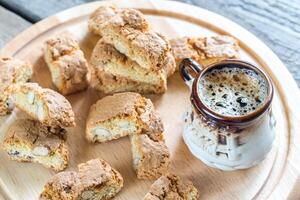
205 50
105 53
119 107
110 14
67 64
110 84
128 31
119 104
101 16
182 49
56 108
31 141
37 134
130 106
152 159
62 45
63 186
114 72
148 49
149 120
12 71
107 61
169 64
171 187
97 172
91 177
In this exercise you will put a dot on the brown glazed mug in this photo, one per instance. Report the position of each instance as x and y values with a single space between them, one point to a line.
227 142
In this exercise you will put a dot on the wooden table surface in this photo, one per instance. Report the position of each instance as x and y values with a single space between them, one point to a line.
276 22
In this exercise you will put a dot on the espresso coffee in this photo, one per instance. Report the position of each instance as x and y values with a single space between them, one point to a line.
243 133
233 91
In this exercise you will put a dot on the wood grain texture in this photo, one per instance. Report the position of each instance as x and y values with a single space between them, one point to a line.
10 25
276 22
278 177
36 10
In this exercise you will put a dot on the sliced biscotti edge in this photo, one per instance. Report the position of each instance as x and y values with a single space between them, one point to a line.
44 105
67 64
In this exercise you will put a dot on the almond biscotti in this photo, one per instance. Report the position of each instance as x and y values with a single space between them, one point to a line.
151 159
117 73
170 187
31 141
12 71
130 33
106 14
113 117
44 105
205 50
122 114
66 62
95 179
131 114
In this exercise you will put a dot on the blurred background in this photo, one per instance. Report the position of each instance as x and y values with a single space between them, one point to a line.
276 22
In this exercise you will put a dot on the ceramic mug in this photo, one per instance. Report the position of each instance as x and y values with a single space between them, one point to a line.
226 142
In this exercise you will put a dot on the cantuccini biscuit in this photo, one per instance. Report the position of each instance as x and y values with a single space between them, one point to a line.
205 50
113 117
122 114
31 141
131 114
151 159
115 72
68 67
95 179
130 33
12 71
171 187
109 14
44 105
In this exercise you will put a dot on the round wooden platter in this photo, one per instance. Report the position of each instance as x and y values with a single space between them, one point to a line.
277 177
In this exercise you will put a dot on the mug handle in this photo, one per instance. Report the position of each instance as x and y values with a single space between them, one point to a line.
188 63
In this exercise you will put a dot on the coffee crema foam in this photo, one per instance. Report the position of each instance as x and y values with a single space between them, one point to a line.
233 91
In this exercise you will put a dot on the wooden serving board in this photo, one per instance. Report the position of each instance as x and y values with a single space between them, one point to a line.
277 177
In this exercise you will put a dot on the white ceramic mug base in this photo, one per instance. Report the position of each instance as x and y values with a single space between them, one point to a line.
203 144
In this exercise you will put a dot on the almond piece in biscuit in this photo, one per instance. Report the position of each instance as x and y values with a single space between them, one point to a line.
172 187
130 33
12 71
106 60
205 50
68 67
44 105
112 117
95 179
31 141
